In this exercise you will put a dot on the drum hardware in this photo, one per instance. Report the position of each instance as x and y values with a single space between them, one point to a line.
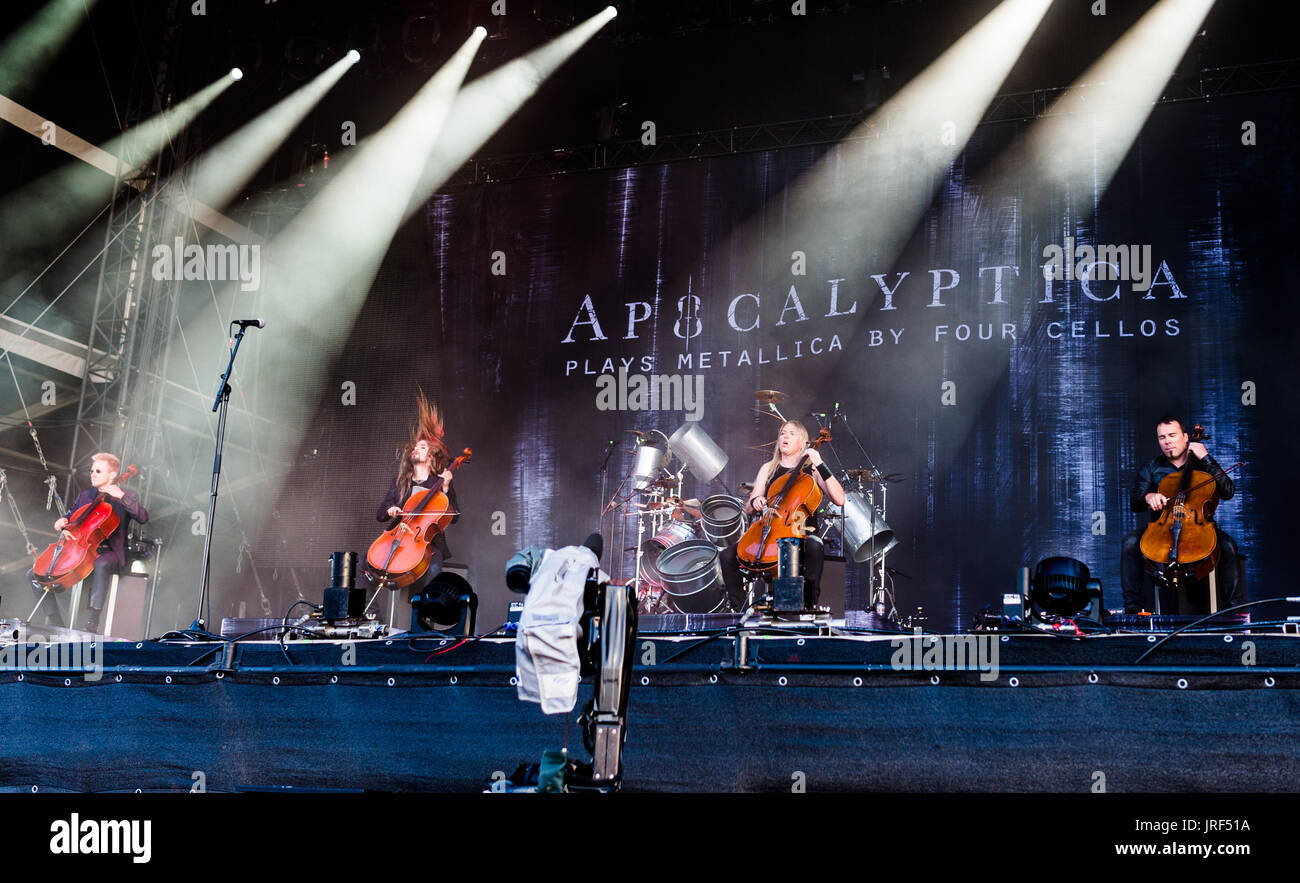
771 398
698 453
680 572
640 551
865 533
872 476
651 494
788 587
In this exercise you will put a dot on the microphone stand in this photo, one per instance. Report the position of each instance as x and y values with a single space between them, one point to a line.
604 479
221 405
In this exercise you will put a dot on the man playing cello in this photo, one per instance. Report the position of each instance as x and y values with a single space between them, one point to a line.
1176 452
104 469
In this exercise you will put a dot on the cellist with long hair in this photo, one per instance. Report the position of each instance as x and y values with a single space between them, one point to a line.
791 447
422 462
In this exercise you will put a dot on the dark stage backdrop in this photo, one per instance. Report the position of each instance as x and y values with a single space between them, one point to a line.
1017 413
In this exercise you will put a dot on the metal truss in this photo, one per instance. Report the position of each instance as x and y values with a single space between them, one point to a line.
131 318
119 302
1011 107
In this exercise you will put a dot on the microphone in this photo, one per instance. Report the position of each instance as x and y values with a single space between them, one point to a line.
244 323
821 414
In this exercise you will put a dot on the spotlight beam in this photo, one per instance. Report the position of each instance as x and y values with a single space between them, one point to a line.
847 197
1069 158
1086 134
339 239
321 266
215 177
931 119
484 105
224 170
29 51
50 207
317 271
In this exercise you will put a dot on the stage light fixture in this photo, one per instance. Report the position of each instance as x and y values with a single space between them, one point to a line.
447 604
354 56
613 12
236 74
1063 586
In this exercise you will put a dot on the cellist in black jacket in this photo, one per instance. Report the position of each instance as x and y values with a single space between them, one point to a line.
1176 452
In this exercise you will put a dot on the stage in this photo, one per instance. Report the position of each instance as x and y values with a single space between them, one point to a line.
752 710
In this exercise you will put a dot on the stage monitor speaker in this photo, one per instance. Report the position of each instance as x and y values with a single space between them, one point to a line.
124 610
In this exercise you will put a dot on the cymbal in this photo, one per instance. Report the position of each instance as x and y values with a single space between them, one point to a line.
674 503
870 476
770 396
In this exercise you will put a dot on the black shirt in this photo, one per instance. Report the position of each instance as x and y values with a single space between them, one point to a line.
1149 476
395 498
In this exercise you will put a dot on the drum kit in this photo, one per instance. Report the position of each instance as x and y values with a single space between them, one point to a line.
675 567
674 560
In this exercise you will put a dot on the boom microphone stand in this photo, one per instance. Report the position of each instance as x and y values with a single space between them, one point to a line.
221 405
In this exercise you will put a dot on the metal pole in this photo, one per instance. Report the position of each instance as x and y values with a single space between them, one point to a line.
221 405
224 401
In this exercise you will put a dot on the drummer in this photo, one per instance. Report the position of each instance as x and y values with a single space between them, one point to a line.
791 447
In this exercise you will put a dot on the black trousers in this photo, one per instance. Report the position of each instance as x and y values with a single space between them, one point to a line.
100 580
1139 587
814 561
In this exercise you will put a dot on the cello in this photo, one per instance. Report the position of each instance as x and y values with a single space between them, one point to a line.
70 559
791 500
401 554
1181 544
